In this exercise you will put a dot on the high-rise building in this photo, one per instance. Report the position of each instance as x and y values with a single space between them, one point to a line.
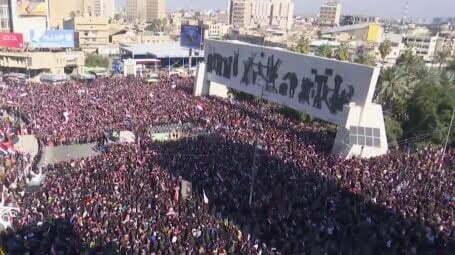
5 16
136 10
60 10
282 14
156 9
240 13
109 8
330 13
264 13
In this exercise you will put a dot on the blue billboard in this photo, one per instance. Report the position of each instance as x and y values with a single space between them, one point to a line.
191 36
52 39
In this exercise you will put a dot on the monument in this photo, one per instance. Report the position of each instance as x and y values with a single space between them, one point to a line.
338 92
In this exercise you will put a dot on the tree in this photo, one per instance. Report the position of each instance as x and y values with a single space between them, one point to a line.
366 59
324 51
393 91
430 110
93 60
303 46
157 25
441 57
342 53
384 49
394 131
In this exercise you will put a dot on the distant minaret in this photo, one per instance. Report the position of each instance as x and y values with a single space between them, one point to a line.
405 13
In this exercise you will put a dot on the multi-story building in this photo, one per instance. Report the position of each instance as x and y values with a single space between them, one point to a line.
156 10
215 30
5 16
330 14
360 32
262 13
109 8
282 14
60 10
357 19
136 10
93 32
423 45
446 43
35 63
240 13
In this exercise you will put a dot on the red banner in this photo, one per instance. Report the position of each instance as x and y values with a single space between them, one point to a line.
11 40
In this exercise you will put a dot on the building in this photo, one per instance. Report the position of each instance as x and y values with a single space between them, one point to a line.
360 32
136 10
240 13
282 14
423 44
262 13
92 32
35 63
109 8
156 9
216 31
357 19
60 10
26 20
330 14
5 16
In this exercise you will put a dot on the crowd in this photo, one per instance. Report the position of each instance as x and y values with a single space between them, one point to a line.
304 200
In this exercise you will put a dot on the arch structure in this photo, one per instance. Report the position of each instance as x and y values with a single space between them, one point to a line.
335 91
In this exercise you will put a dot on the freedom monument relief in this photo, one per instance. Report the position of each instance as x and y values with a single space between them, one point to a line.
338 92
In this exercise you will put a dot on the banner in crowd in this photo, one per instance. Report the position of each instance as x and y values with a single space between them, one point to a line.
317 86
52 39
32 7
11 40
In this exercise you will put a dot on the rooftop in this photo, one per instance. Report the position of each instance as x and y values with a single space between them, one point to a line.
161 50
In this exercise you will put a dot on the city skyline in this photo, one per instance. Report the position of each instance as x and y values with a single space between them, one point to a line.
383 8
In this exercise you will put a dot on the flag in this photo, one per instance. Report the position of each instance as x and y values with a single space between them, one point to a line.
66 114
2 252
199 107
206 200
23 95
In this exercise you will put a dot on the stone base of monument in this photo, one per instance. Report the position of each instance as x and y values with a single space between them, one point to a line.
362 134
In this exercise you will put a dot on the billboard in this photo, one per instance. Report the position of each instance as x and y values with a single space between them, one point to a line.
31 7
52 39
191 36
11 40
317 86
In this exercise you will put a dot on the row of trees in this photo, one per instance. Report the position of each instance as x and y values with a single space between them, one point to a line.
418 101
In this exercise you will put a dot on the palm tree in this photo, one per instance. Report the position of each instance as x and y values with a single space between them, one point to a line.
441 57
393 90
342 53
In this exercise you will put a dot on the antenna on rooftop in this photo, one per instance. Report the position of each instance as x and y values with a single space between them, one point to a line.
405 13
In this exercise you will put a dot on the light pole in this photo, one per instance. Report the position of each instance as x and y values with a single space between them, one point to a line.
254 171
447 140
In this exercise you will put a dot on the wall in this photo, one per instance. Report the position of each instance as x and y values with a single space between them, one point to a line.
317 86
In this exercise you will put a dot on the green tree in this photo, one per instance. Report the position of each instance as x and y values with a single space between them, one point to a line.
342 53
430 110
303 46
385 48
441 58
366 59
93 60
324 51
394 131
393 91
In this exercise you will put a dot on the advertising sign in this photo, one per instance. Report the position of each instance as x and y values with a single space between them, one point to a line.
11 40
52 39
31 7
317 86
191 36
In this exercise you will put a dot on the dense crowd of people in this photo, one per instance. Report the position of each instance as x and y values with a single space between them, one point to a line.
303 200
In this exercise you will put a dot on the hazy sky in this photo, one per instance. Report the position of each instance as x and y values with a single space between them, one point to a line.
385 8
